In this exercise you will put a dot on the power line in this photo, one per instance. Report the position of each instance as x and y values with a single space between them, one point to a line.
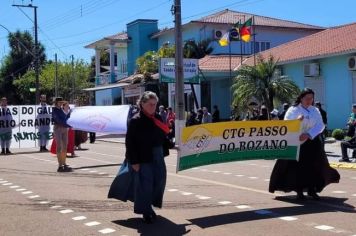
86 11
43 33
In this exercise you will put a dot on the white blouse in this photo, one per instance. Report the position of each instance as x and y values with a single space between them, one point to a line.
312 123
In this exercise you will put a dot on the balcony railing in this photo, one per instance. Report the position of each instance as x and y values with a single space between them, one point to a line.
109 78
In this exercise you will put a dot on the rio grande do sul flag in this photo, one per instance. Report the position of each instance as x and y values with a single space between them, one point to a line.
238 141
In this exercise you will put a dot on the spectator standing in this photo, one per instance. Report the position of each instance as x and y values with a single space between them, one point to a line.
43 113
6 130
216 114
283 112
207 118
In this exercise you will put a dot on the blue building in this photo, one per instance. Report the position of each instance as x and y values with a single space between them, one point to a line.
326 63
215 68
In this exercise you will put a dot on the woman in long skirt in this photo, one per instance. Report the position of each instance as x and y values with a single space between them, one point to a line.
145 150
312 172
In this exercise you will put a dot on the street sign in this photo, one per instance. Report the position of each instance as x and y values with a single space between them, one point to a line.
190 70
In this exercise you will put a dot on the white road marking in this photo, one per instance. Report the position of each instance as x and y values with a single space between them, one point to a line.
4 181
44 202
203 169
239 175
339 191
7 184
224 202
102 173
66 211
93 171
107 231
112 176
216 171
266 180
21 189
34 196
324 227
288 218
354 195
263 212
227 173
27 192
93 223
1 179
55 207
14 186
79 218
186 193
353 177
242 206
172 190
253 177
195 168
84 169
202 197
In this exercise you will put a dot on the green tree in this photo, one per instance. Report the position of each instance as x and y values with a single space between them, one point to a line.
191 49
147 63
19 60
263 83
80 71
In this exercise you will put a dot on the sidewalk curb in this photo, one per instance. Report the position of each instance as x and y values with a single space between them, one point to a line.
350 166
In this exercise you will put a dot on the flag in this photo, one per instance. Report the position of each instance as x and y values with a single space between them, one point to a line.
225 39
245 30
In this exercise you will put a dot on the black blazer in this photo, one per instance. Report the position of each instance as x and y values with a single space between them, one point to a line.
142 135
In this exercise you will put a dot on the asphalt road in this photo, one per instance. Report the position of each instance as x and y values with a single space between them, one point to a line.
224 199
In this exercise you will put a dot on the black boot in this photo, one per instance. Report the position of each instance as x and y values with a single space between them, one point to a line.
300 195
313 194
8 151
2 151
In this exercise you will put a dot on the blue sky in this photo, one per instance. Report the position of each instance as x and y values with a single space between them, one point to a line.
67 26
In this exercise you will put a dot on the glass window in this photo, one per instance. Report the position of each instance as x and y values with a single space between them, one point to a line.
268 45
263 46
257 47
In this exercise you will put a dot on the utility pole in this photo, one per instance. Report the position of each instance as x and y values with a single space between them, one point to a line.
35 50
179 83
56 77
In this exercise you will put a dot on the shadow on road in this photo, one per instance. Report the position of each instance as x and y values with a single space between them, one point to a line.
160 227
327 204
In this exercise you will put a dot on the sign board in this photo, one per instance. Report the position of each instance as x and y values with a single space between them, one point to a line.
190 70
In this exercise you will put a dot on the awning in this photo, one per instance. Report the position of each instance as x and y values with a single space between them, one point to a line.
107 86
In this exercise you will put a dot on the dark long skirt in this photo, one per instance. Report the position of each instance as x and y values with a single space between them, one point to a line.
150 183
145 188
311 172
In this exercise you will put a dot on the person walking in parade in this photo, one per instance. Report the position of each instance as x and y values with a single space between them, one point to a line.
60 131
312 171
6 129
145 151
43 116
207 118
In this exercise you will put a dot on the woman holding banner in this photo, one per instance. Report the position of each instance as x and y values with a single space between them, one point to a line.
312 172
145 151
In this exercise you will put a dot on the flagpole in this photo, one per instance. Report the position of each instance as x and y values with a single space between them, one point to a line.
240 45
254 40
230 58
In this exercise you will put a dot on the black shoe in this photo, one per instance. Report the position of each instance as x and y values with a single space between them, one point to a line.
300 195
344 160
8 151
61 169
313 194
44 149
3 151
67 168
148 219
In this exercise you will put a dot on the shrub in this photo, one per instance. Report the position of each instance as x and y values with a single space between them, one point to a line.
338 134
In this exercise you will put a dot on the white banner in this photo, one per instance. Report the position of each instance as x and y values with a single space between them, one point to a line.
103 119
25 126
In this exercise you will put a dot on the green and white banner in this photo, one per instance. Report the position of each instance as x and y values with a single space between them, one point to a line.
238 141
